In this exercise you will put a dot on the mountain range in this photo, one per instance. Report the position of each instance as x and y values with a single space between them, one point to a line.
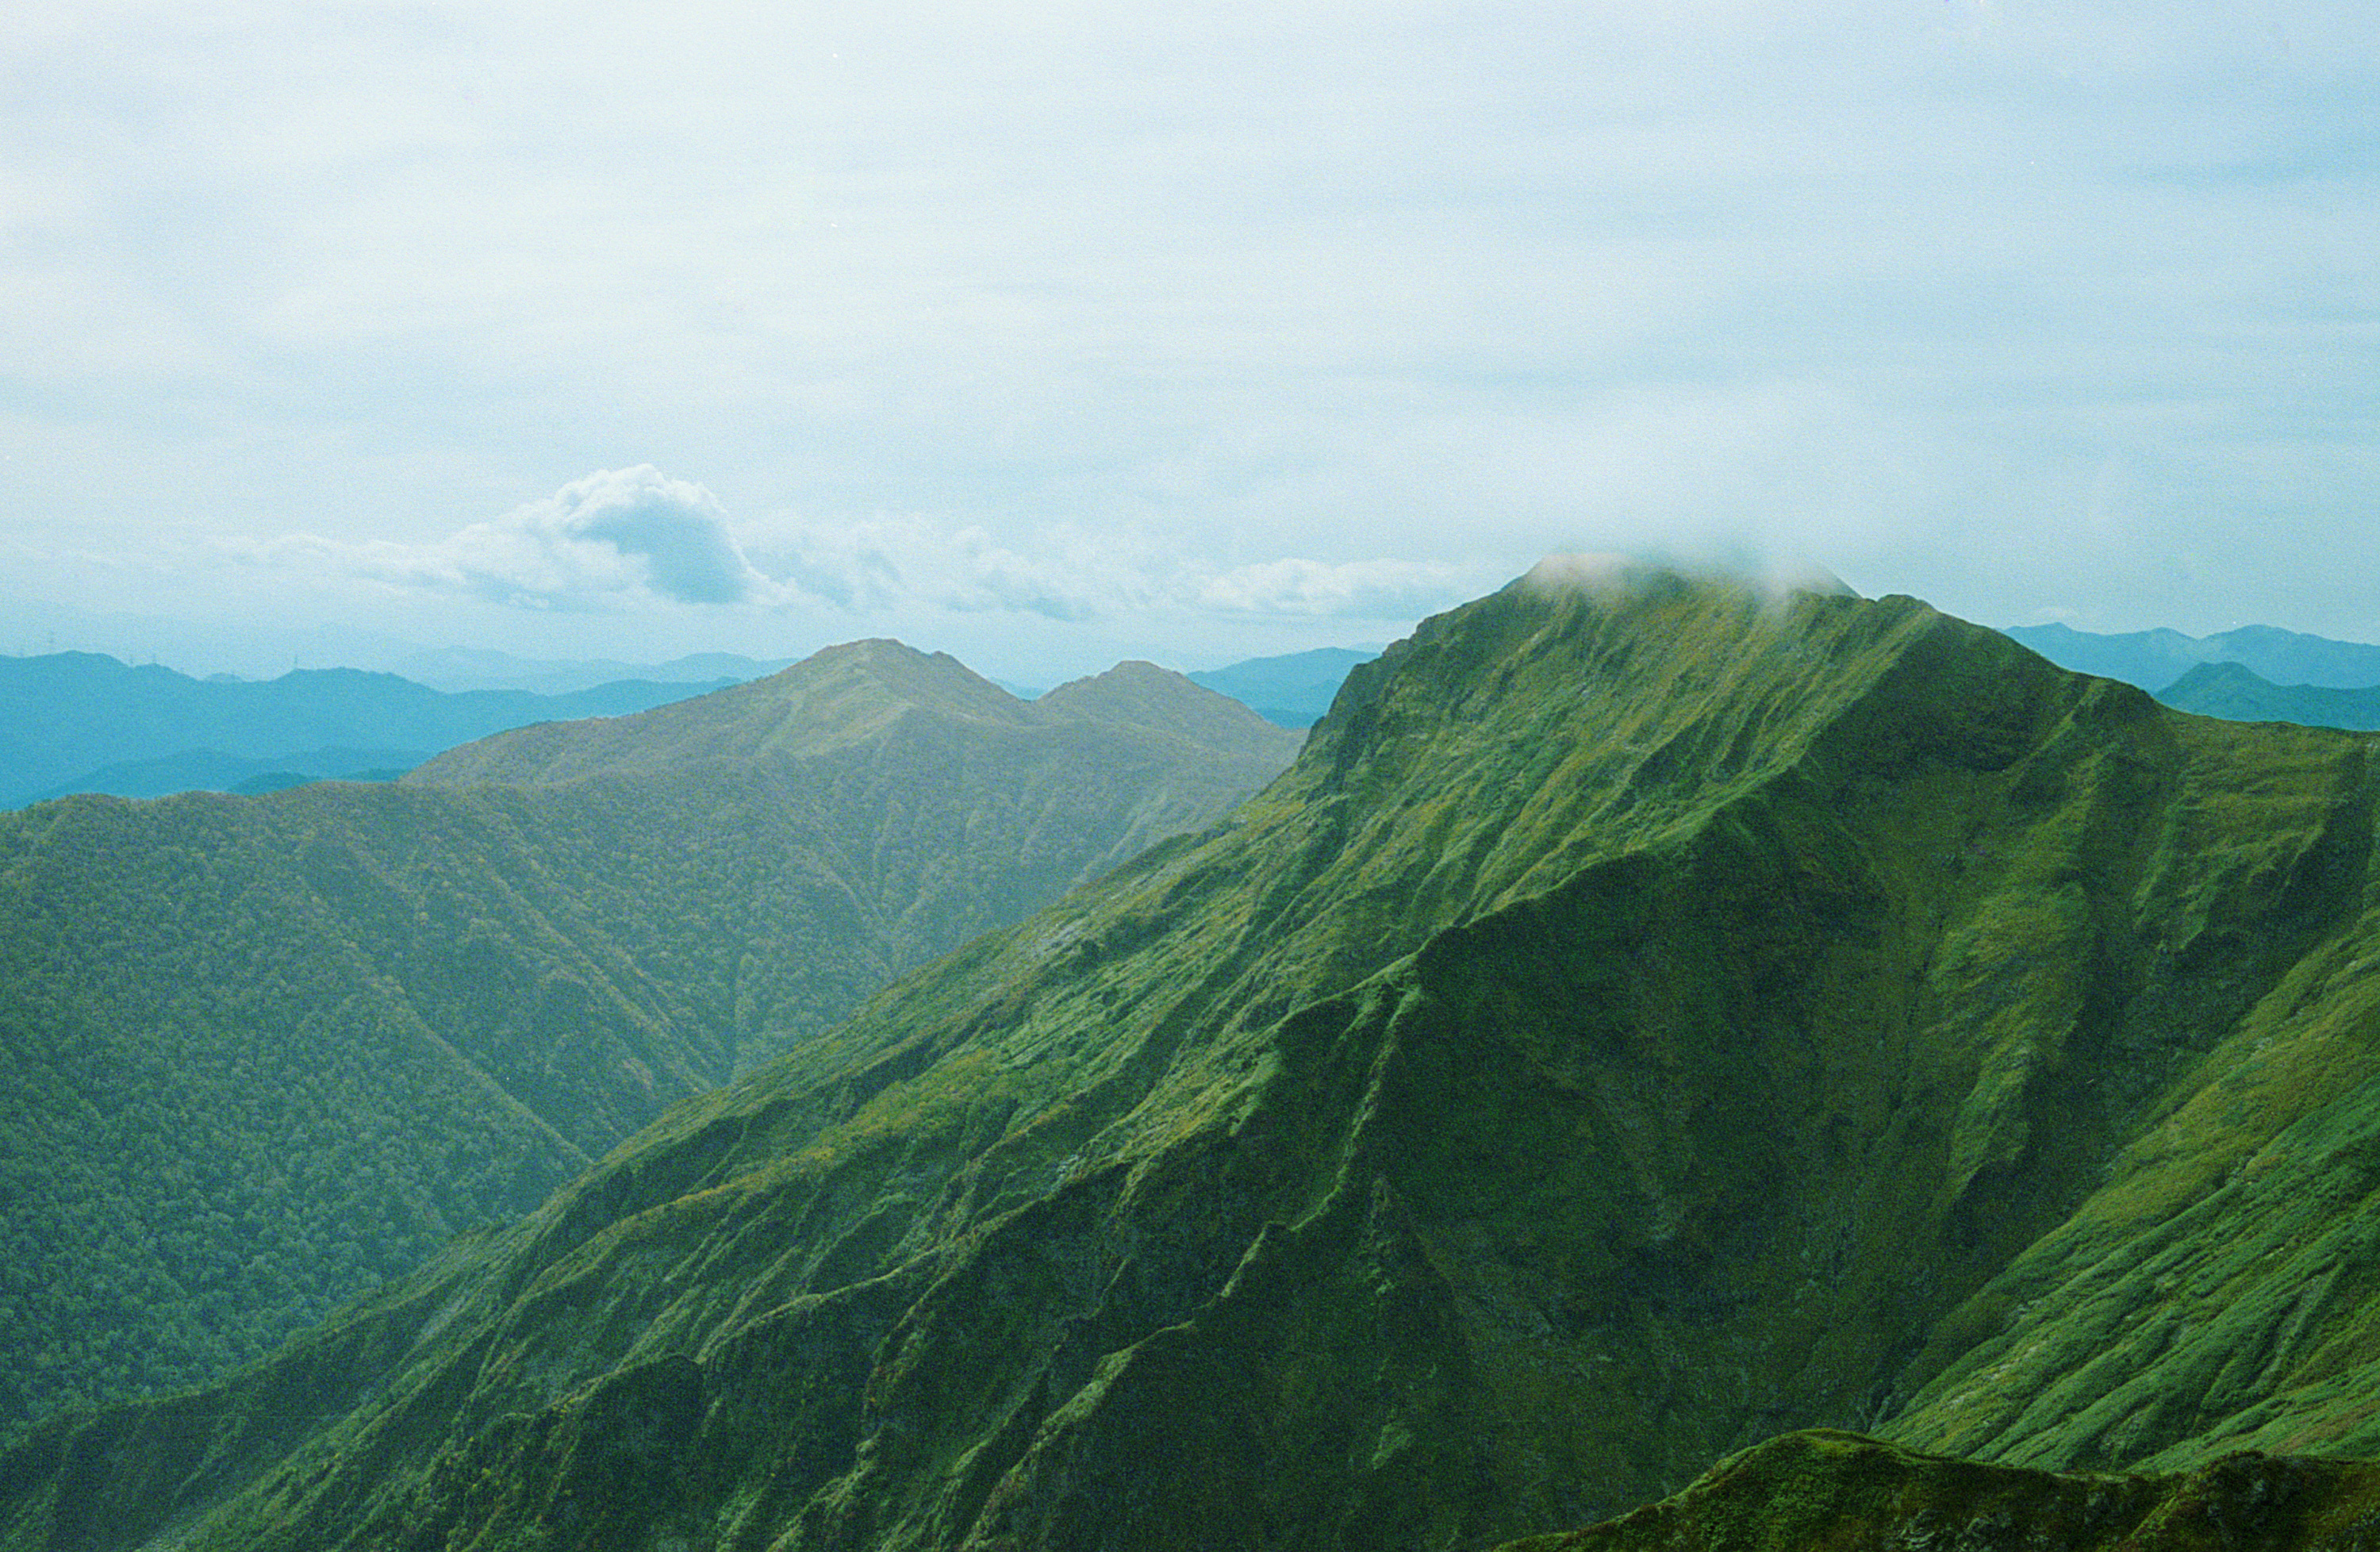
459 669
2155 658
82 722
265 1052
1651 1016
1294 690
78 722
2236 693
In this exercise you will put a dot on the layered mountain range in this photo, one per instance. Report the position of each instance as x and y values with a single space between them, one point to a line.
2255 673
1293 690
2238 694
80 721
1651 1016
2156 658
266 1052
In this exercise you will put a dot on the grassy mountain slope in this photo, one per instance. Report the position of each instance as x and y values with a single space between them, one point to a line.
841 696
1820 1489
937 759
264 1052
1649 1017
2236 693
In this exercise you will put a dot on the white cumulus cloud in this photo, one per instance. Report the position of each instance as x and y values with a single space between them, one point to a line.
598 542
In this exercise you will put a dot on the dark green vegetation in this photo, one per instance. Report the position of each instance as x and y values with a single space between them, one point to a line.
1647 1019
1818 1492
78 722
1294 691
261 1053
2236 693
2155 658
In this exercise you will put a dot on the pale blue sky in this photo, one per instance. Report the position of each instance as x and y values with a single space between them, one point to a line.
1056 333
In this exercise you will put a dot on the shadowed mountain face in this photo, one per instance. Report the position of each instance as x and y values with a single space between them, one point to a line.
265 1052
1649 1017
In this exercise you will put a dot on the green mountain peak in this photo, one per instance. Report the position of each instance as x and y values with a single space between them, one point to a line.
833 699
1143 694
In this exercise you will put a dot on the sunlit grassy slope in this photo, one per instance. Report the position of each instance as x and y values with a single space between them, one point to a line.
1650 1017
262 1054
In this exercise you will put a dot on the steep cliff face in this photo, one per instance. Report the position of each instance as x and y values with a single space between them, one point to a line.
1650 1016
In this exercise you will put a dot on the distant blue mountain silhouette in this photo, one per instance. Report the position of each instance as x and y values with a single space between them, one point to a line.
1291 691
2155 658
81 721
2237 694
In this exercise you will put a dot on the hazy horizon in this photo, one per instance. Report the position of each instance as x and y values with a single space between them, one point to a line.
200 651
1060 336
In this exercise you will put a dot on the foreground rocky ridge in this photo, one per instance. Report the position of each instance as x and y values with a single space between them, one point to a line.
1650 1016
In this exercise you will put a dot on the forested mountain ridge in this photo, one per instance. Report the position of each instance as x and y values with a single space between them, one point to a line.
263 1052
1649 1017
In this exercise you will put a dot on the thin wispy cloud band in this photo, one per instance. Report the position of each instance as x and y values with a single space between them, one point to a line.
619 539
